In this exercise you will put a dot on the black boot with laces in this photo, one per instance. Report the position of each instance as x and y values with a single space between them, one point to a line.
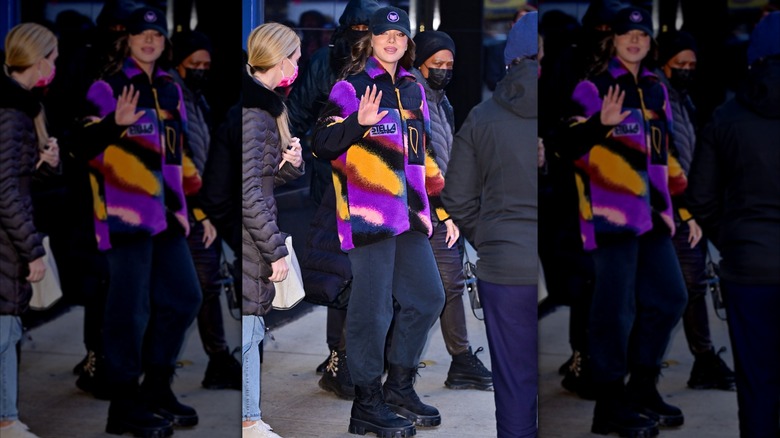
400 396
336 377
643 396
711 372
467 371
370 413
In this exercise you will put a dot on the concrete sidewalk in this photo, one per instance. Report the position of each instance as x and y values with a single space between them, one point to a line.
292 402
296 407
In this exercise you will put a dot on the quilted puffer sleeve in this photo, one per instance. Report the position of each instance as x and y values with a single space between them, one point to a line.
258 217
16 211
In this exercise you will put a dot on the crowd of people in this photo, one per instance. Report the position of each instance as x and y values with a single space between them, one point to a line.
633 185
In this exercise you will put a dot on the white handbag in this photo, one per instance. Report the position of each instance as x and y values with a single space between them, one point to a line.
289 292
47 292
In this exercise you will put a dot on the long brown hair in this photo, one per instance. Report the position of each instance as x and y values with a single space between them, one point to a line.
362 50
25 45
599 60
121 51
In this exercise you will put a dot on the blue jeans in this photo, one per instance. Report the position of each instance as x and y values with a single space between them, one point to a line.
754 329
10 334
252 334
638 298
153 297
511 323
401 269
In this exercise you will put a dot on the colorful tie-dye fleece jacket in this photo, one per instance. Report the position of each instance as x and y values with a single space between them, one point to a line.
385 176
141 177
625 174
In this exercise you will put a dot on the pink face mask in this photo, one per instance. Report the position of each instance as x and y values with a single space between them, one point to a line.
42 82
287 81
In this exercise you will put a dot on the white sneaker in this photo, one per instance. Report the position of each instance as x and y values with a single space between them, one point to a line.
17 429
260 429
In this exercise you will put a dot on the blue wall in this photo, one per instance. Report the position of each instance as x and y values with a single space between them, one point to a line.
252 16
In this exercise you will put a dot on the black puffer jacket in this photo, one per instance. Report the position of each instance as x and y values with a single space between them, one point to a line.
734 183
262 241
20 242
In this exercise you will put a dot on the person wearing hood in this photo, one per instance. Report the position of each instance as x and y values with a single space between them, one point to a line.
734 194
677 58
192 62
434 59
491 193
325 268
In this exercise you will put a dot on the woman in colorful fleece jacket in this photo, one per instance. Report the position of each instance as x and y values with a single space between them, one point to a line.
141 178
376 129
625 177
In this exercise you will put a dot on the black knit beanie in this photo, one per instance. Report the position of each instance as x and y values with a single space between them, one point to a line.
429 42
188 42
673 42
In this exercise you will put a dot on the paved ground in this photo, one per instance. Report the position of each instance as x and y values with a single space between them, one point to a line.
296 407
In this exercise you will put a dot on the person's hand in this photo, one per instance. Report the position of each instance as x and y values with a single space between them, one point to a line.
37 269
369 105
280 269
209 233
126 103
453 233
50 154
695 233
293 153
612 106
540 160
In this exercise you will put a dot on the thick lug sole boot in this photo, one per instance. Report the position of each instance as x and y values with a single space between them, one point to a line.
361 427
420 420
623 421
331 384
137 421
371 414
468 372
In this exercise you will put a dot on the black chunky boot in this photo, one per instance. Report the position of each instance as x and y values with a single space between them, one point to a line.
321 367
612 414
467 371
370 413
336 377
92 378
128 413
710 371
222 372
578 379
643 396
157 393
399 395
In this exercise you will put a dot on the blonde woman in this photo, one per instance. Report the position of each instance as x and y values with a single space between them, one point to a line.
26 152
271 156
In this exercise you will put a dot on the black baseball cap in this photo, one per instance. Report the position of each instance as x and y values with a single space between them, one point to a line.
390 18
630 18
145 18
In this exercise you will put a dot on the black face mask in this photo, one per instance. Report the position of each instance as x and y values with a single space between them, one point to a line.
353 36
438 78
196 78
681 79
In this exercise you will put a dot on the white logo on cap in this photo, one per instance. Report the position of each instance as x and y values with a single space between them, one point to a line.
636 17
150 17
393 17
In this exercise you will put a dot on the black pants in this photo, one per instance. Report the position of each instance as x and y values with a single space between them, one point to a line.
400 269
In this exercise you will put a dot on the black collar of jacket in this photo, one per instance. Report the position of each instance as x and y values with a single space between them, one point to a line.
12 95
255 95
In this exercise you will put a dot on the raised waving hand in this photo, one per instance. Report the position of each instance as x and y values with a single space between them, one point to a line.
126 103
612 106
369 105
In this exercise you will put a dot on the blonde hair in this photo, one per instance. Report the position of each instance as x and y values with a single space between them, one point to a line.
268 45
25 45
